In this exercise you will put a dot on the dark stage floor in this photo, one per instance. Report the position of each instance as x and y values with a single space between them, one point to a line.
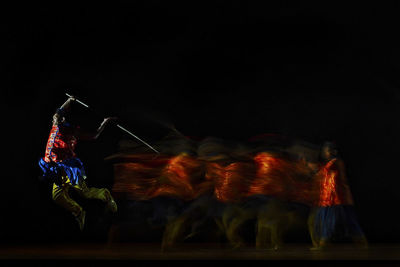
145 254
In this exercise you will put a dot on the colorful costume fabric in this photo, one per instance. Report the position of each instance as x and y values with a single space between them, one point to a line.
334 217
61 143
334 189
60 155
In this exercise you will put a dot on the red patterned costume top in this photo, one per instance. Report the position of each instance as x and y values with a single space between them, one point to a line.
61 144
334 189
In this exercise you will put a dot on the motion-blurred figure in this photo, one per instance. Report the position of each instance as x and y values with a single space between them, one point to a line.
283 182
204 210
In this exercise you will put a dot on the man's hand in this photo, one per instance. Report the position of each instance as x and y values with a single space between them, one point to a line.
109 120
68 102
106 121
72 98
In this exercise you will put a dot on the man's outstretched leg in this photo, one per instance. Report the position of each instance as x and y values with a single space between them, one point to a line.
62 198
102 194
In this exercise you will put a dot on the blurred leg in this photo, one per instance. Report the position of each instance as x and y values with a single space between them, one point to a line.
174 231
311 228
102 194
61 197
263 233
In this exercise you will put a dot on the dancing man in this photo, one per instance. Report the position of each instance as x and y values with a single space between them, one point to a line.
65 170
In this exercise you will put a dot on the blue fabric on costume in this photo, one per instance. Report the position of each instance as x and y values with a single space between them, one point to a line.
336 222
73 167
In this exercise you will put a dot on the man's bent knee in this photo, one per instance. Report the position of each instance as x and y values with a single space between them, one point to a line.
63 200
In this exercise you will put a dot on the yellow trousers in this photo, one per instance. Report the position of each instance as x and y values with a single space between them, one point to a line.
62 198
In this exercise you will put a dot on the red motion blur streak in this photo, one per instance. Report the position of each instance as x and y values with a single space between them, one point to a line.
180 177
187 178
283 178
270 176
231 182
177 176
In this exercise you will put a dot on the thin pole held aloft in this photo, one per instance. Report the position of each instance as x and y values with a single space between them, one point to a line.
122 128
80 102
119 126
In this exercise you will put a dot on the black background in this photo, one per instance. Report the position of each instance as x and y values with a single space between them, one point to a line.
231 69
